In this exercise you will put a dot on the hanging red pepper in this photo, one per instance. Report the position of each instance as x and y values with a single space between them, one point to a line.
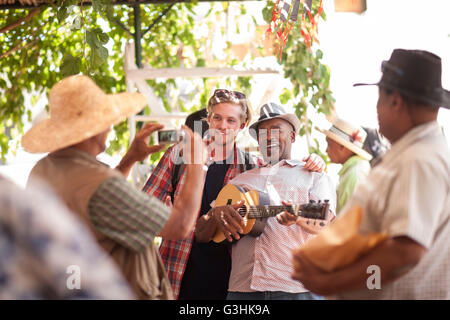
285 14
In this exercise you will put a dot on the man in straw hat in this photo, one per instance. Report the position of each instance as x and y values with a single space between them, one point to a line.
123 219
345 146
261 265
407 194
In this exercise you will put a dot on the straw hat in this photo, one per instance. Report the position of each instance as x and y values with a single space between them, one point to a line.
349 136
272 110
79 109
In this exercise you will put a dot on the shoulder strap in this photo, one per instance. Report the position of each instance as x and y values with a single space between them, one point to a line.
176 177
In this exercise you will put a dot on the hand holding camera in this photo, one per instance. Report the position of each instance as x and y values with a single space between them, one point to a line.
193 148
140 148
170 136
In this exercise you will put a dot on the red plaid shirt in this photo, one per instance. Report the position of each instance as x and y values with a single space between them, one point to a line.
175 254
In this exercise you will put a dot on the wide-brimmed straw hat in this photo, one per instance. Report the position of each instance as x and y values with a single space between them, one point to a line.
272 110
349 136
416 74
79 110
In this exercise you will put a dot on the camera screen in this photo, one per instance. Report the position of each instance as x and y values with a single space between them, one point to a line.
167 136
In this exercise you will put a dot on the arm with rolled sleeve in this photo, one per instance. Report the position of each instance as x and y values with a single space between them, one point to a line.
411 218
126 215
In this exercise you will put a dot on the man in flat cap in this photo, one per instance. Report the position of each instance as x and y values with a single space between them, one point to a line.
261 265
406 196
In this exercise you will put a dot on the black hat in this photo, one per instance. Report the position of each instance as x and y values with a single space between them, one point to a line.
416 74
201 116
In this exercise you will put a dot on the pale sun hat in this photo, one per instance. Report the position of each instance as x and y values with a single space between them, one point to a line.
79 110
349 136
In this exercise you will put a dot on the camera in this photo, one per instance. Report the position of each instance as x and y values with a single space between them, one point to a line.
170 136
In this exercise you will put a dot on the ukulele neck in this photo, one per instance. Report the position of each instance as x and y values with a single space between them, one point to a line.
256 212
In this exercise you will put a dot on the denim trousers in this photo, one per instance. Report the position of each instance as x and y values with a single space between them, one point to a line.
272 295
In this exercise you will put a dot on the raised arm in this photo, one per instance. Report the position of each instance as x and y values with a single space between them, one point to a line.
139 149
187 205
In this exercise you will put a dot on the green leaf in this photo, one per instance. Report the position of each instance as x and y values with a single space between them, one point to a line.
62 14
92 40
98 56
102 37
285 96
201 62
70 65
319 54
102 6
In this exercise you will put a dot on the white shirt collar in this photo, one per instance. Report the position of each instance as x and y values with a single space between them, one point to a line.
291 162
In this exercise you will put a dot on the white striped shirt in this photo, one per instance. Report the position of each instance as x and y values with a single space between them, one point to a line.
264 263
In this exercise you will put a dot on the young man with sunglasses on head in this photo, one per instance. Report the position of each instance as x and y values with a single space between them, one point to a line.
201 270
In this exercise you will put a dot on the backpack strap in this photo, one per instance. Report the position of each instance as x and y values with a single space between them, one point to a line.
176 177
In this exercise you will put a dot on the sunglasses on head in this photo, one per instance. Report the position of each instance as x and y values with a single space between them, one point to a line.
227 94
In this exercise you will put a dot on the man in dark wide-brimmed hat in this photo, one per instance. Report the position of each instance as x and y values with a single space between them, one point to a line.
407 195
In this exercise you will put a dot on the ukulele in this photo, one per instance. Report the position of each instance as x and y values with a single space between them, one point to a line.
255 209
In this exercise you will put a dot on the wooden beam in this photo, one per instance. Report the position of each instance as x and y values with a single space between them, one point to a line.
201 72
17 5
158 116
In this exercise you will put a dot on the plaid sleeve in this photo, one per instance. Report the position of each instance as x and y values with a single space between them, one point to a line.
159 184
127 215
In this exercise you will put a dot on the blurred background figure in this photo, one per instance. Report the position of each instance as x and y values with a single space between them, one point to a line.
375 144
46 253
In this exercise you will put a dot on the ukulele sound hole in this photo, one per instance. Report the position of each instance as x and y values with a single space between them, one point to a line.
242 211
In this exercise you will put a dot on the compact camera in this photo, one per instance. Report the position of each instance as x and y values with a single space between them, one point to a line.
170 136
